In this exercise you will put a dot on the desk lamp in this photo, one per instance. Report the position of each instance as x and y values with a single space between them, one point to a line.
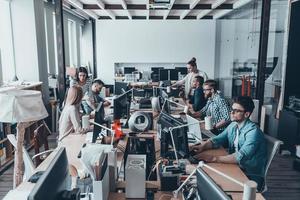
23 107
249 186
108 129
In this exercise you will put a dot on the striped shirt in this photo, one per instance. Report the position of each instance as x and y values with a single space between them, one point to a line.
218 108
86 88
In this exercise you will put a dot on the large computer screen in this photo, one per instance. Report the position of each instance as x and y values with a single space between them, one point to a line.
167 121
122 106
207 188
173 74
182 70
54 180
129 70
163 74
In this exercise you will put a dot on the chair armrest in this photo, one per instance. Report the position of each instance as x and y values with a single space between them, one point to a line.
41 153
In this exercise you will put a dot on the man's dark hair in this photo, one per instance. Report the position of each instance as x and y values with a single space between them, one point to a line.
246 102
98 81
211 83
200 80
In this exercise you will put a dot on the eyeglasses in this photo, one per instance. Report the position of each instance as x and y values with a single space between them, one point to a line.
207 89
237 110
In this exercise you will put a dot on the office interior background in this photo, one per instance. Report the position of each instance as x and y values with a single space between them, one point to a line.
233 41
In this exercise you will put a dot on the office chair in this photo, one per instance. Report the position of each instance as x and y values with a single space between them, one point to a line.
272 148
28 162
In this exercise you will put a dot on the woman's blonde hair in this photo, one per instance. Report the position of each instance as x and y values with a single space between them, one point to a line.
75 95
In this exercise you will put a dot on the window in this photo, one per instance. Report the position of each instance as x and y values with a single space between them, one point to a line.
72 43
55 42
6 43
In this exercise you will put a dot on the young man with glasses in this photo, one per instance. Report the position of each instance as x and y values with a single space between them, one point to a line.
216 107
245 142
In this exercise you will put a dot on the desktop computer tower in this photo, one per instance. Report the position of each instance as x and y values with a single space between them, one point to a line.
135 175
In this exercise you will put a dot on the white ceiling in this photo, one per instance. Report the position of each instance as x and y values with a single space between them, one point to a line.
139 9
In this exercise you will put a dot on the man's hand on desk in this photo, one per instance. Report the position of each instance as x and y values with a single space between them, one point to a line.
206 157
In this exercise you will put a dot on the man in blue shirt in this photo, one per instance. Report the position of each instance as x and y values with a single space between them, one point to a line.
245 142
197 100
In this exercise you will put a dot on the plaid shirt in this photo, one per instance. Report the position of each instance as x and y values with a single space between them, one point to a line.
218 108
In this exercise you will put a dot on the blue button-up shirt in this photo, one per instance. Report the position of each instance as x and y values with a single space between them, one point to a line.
252 149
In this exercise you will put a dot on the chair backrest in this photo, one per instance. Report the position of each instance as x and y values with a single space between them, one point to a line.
272 148
29 166
40 140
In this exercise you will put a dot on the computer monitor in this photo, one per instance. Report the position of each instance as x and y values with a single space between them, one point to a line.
173 74
155 70
194 128
163 74
207 188
129 70
167 121
54 180
120 87
182 70
122 106
99 119
165 105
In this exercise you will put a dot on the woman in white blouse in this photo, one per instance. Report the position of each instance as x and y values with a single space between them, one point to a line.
188 79
69 121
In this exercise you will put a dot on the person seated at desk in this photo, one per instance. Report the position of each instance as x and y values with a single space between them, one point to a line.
216 107
197 100
93 99
187 80
245 140
69 121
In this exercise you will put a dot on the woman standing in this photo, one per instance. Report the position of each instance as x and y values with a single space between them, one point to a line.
187 81
69 121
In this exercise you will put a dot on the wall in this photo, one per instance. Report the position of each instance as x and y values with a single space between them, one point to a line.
154 42
87 45
6 44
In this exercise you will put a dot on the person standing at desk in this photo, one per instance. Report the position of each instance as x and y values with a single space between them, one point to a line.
69 121
188 79
245 141
197 101
82 80
216 107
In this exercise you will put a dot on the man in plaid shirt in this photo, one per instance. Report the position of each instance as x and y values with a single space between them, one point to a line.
216 107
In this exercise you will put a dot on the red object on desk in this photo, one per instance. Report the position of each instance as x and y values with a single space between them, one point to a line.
117 128
243 86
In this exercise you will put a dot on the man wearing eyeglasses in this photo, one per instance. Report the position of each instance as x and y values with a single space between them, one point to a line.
216 107
245 142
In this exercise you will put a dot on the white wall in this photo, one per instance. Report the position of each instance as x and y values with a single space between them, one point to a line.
154 42
87 45
6 44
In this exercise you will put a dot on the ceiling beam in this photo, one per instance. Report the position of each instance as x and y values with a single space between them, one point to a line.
169 10
203 13
79 6
217 4
236 5
213 6
102 6
124 5
192 6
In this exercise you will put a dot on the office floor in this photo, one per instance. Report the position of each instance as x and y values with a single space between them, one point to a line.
283 181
